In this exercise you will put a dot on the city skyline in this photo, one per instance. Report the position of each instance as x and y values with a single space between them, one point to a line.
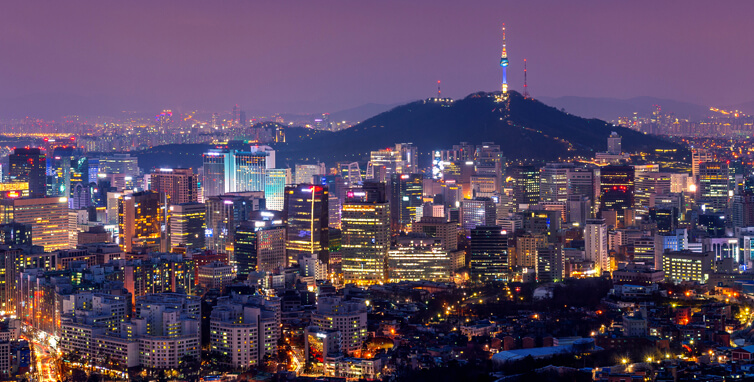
332 56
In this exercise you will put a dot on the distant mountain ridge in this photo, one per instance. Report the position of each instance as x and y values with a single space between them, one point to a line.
610 109
524 129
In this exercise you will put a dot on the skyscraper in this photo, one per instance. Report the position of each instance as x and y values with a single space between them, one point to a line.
365 223
648 185
399 160
67 167
119 164
141 222
180 184
550 263
29 165
595 244
305 172
405 196
48 218
614 146
187 225
490 162
699 156
306 212
259 246
477 212
617 188
553 183
274 188
525 185
217 170
224 214
713 186
249 170
440 228
488 253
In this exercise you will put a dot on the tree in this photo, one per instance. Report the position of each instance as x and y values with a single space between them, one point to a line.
189 367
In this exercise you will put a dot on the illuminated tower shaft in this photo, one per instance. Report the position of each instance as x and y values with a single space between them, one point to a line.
504 64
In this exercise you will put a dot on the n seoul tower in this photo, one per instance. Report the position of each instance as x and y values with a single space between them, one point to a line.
504 64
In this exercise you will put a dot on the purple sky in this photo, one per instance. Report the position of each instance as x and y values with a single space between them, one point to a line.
295 56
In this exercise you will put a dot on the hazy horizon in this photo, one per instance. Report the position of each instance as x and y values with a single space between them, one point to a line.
334 55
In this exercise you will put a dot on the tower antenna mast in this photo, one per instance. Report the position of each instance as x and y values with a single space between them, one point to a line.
526 87
438 90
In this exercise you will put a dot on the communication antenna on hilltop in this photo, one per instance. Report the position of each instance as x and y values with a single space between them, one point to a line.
526 87
439 94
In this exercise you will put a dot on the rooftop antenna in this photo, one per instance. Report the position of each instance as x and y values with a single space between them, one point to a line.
526 87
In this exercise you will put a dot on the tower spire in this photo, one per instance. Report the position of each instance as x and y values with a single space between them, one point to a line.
504 65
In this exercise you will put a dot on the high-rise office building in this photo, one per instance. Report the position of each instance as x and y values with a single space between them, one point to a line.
405 196
490 162
29 165
699 156
274 188
180 184
488 253
742 209
403 159
187 225
550 263
268 151
614 146
141 222
553 182
67 167
527 247
648 185
584 182
595 244
617 188
48 218
15 234
307 215
259 245
249 170
365 223
224 214
525 185
477 212
440 228
713 186
217 173
119 164
304 173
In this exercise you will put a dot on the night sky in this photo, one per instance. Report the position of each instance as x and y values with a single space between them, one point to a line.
317 56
